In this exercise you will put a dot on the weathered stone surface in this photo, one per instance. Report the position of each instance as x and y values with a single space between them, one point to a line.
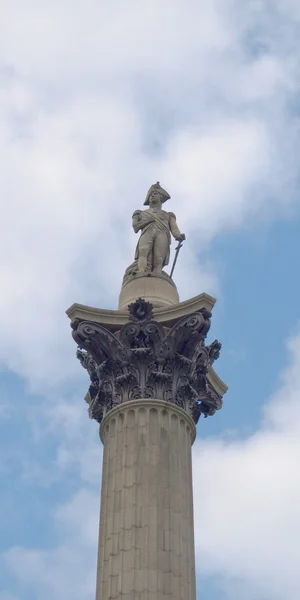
158 290
114 319
146 539
151 377
156 226
146 360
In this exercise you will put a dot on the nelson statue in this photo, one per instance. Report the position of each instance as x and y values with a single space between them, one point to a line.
156 226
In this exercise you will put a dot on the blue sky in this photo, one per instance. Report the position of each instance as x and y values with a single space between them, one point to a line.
98 101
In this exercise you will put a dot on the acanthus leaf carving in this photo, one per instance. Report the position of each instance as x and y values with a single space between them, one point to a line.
146 360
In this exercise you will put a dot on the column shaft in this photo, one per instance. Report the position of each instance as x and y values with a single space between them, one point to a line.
146 539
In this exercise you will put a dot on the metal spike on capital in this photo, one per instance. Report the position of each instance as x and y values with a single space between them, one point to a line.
151 378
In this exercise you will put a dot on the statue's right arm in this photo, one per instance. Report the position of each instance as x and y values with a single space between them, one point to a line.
140 220
136 220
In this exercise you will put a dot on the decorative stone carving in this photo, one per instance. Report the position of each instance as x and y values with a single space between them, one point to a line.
146 360
140 311
214 350
156 226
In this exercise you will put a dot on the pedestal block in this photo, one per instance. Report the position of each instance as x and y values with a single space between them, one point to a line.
158 290
146 540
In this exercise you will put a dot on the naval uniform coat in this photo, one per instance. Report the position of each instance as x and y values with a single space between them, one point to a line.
147 220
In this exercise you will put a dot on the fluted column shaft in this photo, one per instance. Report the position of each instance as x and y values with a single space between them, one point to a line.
146 539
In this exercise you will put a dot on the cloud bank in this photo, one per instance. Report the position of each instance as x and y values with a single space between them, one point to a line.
247 495
246 499
97 101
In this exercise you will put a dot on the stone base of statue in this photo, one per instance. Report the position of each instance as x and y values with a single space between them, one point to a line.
160 290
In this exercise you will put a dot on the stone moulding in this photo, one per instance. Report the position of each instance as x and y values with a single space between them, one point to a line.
146 359
151 405
114 319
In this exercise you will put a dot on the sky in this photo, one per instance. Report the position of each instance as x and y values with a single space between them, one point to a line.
98 100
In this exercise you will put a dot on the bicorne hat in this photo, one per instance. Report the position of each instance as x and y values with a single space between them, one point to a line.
157 188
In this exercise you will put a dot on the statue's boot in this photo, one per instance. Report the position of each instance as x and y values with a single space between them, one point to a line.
142 264
158 267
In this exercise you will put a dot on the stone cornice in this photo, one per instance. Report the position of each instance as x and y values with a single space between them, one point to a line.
216 382
115 319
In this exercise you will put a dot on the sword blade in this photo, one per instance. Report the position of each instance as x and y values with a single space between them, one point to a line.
175 258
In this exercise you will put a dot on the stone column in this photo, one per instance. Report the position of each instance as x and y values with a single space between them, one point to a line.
151 381
146 540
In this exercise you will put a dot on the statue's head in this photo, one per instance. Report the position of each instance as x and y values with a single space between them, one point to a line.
155 200
156 196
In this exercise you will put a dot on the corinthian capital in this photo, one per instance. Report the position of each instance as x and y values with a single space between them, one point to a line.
145 359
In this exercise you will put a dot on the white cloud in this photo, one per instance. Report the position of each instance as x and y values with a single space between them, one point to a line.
238 152
247 496
96 102
69 570
82 510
